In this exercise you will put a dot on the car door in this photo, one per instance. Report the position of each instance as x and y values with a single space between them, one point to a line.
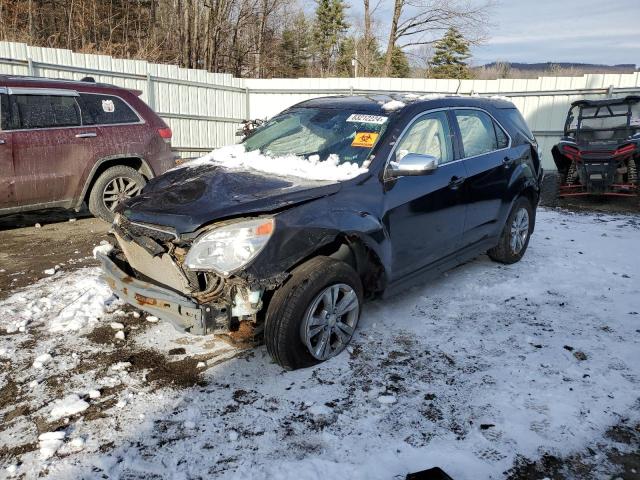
50 145
489 164
7 180
424 215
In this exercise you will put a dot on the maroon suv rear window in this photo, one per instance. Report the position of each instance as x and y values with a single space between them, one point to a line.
105 109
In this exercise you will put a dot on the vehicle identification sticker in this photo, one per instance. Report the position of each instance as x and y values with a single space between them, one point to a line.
108 106
363 118
364 139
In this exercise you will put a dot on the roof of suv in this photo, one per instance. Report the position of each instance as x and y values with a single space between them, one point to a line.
375 103
87 84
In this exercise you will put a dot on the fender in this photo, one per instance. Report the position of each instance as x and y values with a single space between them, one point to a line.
145 169
303 235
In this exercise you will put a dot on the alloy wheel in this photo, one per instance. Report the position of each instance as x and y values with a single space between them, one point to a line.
519 230
330 321
119 189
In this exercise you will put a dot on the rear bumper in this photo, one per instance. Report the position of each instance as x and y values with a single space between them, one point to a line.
185 314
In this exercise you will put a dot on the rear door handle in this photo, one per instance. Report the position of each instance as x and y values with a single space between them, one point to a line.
456 182
86 135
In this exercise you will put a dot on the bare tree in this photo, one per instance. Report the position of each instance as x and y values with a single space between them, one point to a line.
421 22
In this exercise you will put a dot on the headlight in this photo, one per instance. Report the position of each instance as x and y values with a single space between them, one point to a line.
230 247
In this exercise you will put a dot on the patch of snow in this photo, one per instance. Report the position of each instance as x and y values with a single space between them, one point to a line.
69 405
312 168
501 97
41 360
201 365
135 315
152 319
116 325
104 248
233 435
50 442
119 335
78 443
189 425
50 271
393 105
94 394
387 399
120 366
320 410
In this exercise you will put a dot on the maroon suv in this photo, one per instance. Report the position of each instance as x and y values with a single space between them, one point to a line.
64 143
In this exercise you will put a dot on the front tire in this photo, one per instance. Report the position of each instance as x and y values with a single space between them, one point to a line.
312 317
515 236
113 186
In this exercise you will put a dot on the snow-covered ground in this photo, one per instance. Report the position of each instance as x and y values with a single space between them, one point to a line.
468 372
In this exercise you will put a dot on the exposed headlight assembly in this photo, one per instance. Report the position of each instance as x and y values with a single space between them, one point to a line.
230 247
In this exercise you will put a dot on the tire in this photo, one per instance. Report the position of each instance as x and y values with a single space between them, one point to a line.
102 199
289 313
504 251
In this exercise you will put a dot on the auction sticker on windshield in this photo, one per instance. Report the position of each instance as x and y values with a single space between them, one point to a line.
364 139
363 118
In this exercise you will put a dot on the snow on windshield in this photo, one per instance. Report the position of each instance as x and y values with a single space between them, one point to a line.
311 168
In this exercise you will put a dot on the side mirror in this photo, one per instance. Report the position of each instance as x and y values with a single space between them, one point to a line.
408 164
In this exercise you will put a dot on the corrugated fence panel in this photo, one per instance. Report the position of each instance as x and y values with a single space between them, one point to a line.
205 109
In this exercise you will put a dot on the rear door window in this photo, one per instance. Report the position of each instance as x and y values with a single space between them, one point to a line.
5 112
105 110
46 111
479 133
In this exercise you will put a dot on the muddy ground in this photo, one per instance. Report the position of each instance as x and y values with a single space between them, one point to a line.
34 242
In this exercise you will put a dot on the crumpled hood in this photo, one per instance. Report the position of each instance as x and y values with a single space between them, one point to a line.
187 198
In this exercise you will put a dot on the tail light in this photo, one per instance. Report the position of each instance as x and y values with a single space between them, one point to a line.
165 133
627 149
572 153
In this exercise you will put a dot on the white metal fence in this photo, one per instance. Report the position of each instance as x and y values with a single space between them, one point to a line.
204 109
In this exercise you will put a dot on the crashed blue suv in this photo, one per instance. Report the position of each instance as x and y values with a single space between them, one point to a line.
333 201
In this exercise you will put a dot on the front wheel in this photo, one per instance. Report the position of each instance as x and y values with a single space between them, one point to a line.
313 316
516 233
114 185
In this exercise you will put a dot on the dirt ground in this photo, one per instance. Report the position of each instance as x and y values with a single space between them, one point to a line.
34 242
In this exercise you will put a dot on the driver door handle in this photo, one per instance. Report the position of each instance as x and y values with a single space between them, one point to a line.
456 182
507 162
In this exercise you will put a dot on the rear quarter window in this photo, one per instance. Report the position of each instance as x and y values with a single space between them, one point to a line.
105 110
515 118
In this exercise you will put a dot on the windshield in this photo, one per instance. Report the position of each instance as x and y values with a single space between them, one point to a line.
319 131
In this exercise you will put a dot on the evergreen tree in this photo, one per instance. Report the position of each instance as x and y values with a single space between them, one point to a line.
293 53
451 53
329 29
399 64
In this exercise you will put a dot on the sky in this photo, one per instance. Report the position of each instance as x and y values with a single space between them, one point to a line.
582 31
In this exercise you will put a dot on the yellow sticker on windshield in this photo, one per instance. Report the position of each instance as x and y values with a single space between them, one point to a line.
364 139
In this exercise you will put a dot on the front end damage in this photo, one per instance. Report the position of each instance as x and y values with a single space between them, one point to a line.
146 269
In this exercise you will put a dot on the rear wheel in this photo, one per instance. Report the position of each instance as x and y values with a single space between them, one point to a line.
313 316
515 235
113 186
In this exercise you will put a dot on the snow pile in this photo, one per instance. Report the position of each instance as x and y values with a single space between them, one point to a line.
49 443
312 168
104 248
393 105
40 360
69 405
66 303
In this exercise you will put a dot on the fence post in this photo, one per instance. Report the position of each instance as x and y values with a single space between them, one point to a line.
150 95
610 91
30 67
247 106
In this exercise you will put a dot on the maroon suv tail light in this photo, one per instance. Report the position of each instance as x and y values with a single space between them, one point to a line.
165 133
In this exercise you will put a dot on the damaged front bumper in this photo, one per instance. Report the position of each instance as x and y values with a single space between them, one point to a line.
185 314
